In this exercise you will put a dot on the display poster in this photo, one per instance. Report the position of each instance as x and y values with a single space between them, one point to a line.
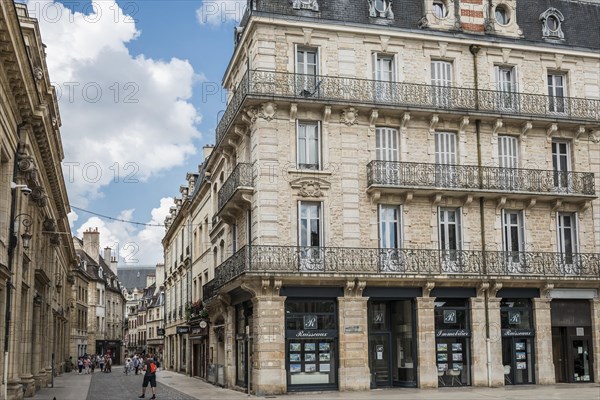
379 351
442 347
456 346
521 365
295 346
519 346
521 355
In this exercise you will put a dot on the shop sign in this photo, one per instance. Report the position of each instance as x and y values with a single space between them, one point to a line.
182 330
379 317
579 331
310 322
311 334
518 332
449 316
451 333
514 317
352 329
160 332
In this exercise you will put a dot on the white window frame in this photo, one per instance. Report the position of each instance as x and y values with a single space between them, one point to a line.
513 257
306 83
311 258
304 148
569 260
508 162
562 176
387 144
557 103
384 86
442 76
507 89
390 254
450 257
446 158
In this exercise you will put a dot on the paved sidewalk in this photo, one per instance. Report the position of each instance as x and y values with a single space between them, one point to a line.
68 386
197 388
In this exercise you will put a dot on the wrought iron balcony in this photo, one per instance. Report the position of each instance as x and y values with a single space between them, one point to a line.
262 259
272 84
495 179
241 178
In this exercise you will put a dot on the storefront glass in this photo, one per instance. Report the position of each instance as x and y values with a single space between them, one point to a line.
392 346
517 341
453 350
311 344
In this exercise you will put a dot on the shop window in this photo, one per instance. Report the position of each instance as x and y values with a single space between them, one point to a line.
518 359
453 351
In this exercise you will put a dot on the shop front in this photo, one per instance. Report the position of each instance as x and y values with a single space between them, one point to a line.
572 340
518 358
311 343
392 336
243 344
453 344
110 347
199 346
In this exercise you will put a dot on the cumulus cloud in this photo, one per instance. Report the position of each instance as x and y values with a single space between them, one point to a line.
73 217
133 246
220 12
124 118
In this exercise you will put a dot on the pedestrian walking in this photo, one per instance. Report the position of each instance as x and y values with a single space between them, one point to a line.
86 365
80 364
101 363
136 363
107 364
149 377
127 366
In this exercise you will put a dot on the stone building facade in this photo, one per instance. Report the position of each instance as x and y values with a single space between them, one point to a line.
36 259
415 179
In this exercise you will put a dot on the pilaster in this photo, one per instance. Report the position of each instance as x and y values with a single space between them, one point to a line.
479 368
495 340
542 321
427 374
354 371
595 306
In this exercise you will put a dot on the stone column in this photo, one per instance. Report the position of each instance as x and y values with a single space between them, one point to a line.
230 347
427 374
36 364
268 356
479 372
595 306
353 330
495 340
542 321
14 352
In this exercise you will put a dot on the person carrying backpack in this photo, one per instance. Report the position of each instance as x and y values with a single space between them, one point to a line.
149 377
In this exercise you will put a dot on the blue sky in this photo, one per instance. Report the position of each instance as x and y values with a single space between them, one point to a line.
139 95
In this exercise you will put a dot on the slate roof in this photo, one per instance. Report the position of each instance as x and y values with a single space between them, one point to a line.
581 25
135 277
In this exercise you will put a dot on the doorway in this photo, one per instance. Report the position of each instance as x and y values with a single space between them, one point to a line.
572 355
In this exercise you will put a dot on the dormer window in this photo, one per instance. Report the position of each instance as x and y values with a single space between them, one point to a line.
552 24
502 16
439 9
312 5
381 8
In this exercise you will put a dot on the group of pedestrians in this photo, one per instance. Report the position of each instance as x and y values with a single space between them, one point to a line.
87 364
133 364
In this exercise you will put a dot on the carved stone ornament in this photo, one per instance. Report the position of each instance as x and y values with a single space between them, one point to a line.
267 111
312 5
595 136
310 189
349 116
423 23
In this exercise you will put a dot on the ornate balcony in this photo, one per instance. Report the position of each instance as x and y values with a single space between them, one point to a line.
270 84
401 263
236 188
408 175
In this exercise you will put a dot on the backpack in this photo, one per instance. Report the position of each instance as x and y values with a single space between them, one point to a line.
152 368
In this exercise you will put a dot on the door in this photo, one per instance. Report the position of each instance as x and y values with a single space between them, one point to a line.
386 144
445 159
556 93
567 242
441 80
581 365
383 75
514 240
561 163
380 360
518 360
508 162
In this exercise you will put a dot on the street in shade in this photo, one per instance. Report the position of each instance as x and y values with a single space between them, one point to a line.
118 386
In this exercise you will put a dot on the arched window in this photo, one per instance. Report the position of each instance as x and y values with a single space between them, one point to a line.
552 24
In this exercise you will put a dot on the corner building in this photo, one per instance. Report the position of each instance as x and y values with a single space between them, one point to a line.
404 194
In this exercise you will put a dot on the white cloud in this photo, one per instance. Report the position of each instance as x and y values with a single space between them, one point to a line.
124 118
134 246
220 12
73 217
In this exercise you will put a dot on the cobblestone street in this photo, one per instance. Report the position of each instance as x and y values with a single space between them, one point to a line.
117 385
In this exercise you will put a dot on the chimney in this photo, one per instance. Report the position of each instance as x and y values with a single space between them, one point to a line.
472 15
114 262
107 255
91 244
160 274
208 150
150 279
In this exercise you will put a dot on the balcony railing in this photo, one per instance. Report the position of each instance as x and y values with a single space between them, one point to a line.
412 95
241 176
408 174
401 262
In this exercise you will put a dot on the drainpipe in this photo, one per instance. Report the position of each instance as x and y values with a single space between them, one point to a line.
474 49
